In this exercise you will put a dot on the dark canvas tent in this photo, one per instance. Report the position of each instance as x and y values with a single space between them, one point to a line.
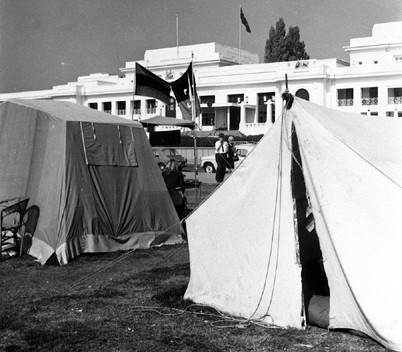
170 137
93 176
248 259
168 121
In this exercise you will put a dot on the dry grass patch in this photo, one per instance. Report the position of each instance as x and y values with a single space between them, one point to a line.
101 303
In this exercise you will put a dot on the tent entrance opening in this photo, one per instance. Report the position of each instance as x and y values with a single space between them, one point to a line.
314 279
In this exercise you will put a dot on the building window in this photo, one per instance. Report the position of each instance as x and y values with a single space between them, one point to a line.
303 93
370 96
151 106
345 97
265 102
394 114
207 99
136 106
235 98
107 107
208 116
394 95
370 113
398 59
121 108
93 106
171 108
360 62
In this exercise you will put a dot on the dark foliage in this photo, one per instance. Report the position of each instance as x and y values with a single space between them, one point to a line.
205 142
282 46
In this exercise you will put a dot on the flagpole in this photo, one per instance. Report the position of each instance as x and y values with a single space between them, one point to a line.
132 107
177 34
239 32
193 112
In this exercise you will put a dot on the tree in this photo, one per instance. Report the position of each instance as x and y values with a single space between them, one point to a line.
284 47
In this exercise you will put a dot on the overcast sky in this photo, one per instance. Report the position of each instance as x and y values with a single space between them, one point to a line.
44 43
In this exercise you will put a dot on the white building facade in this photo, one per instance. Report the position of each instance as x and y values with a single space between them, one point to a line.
238 93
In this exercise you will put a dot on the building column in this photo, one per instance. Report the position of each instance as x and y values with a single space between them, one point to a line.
143 112
159 106
114 107
269 113
227 118
80 94
357 100
198 120
382 100
242 124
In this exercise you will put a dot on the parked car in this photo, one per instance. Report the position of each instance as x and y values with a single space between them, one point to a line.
164 154
208 163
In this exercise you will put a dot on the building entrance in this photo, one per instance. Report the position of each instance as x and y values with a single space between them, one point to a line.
234 118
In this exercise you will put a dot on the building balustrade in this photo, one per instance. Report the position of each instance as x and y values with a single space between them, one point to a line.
121 111
369 101
151 110
395 100
254 124
345 102
107 111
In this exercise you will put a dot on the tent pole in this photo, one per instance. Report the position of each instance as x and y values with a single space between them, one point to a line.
195 167
286 81
193 113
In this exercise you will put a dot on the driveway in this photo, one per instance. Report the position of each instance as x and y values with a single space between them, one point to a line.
202 176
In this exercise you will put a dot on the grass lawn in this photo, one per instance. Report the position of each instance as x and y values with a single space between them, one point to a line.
132 301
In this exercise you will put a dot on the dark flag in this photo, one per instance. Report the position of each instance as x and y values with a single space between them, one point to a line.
244 21
184 95
150 85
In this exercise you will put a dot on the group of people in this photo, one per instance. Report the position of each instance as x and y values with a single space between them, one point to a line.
225 156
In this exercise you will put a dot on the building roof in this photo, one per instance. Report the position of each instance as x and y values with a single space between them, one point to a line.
67 111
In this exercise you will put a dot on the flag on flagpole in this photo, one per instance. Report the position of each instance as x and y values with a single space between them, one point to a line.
185 92
150 85
244 21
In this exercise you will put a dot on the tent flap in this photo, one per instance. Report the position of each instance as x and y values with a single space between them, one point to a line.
107 144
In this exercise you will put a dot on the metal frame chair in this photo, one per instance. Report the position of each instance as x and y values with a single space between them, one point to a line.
11 215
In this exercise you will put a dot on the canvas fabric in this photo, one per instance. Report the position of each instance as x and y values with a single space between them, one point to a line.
93 176
355 190
245 264
243 256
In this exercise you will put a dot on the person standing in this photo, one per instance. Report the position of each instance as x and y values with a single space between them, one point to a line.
221 150
232 153
174 180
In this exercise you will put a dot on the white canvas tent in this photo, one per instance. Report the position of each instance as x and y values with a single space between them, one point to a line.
245 241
